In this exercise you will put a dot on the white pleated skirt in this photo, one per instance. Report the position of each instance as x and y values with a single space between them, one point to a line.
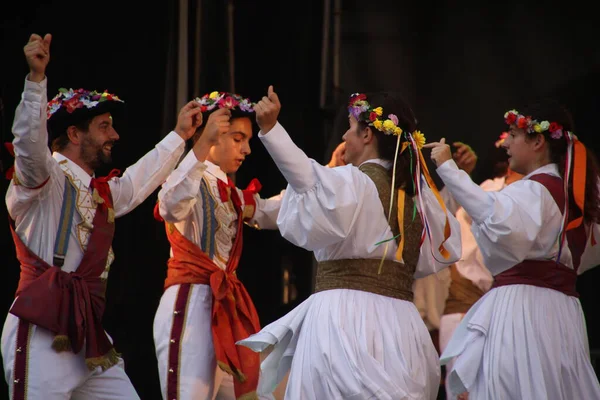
351 345
522 342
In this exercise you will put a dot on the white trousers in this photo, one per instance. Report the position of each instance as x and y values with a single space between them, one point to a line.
59 376
199 376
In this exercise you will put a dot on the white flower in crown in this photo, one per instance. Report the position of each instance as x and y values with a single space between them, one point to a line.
544 125
68 94
88 103
53 108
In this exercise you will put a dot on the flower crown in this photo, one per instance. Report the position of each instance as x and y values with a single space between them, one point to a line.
360 108
71 100
531 125
224 100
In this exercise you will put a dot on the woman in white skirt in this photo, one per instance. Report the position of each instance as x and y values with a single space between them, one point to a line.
373 227
526 337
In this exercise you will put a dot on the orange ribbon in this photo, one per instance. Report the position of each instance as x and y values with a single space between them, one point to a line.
578 173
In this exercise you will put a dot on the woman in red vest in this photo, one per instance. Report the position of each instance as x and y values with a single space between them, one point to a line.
526 337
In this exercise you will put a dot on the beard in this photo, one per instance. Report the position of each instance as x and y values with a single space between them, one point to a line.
93 153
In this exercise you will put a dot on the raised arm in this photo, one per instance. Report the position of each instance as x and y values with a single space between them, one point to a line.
319 207
141 179
179 193
33 161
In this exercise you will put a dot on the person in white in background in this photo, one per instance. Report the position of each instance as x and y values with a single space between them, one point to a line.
526 337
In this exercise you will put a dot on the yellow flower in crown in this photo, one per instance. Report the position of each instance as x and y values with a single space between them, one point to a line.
378 124
378 111
419 139
388 125
214 95
537 128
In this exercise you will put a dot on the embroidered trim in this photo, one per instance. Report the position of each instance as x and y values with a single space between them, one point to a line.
21 364
177 329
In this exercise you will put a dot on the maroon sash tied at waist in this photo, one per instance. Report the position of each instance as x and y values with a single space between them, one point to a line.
71 305
550 273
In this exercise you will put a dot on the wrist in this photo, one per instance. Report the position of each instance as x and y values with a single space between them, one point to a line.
266 128
36 76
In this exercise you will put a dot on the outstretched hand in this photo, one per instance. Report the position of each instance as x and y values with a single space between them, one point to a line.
267 111
37 54
189 119
440 151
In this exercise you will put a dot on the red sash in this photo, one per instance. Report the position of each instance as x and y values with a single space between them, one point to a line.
70 305
550 274
233 314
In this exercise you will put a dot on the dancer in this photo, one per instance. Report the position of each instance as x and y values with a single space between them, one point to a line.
205 308
359 336
63 221
525 338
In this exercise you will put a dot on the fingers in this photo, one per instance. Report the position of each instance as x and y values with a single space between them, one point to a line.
47 39
36 48
273 96
222 112
34 38
258 108
192 112
443 141
190 106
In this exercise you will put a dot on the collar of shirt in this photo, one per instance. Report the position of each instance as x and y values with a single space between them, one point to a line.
76 169
384 163
216 171
551 169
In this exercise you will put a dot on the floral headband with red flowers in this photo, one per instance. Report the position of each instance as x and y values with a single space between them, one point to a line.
360 108
71 100
533 126
224 100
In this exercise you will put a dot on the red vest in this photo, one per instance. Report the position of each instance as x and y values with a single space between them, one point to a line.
547 273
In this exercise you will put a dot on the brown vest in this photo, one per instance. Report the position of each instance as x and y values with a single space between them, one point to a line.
395 279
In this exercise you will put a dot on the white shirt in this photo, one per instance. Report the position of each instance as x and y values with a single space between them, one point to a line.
337 213
200 215
471 264
520 222
37 211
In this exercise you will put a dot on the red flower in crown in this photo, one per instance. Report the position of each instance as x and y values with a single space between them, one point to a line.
511 118
357 97
522 122
372 116
72 104
554 127
228 102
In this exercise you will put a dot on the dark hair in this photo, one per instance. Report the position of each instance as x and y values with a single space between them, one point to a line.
551 110
61 139
394 103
